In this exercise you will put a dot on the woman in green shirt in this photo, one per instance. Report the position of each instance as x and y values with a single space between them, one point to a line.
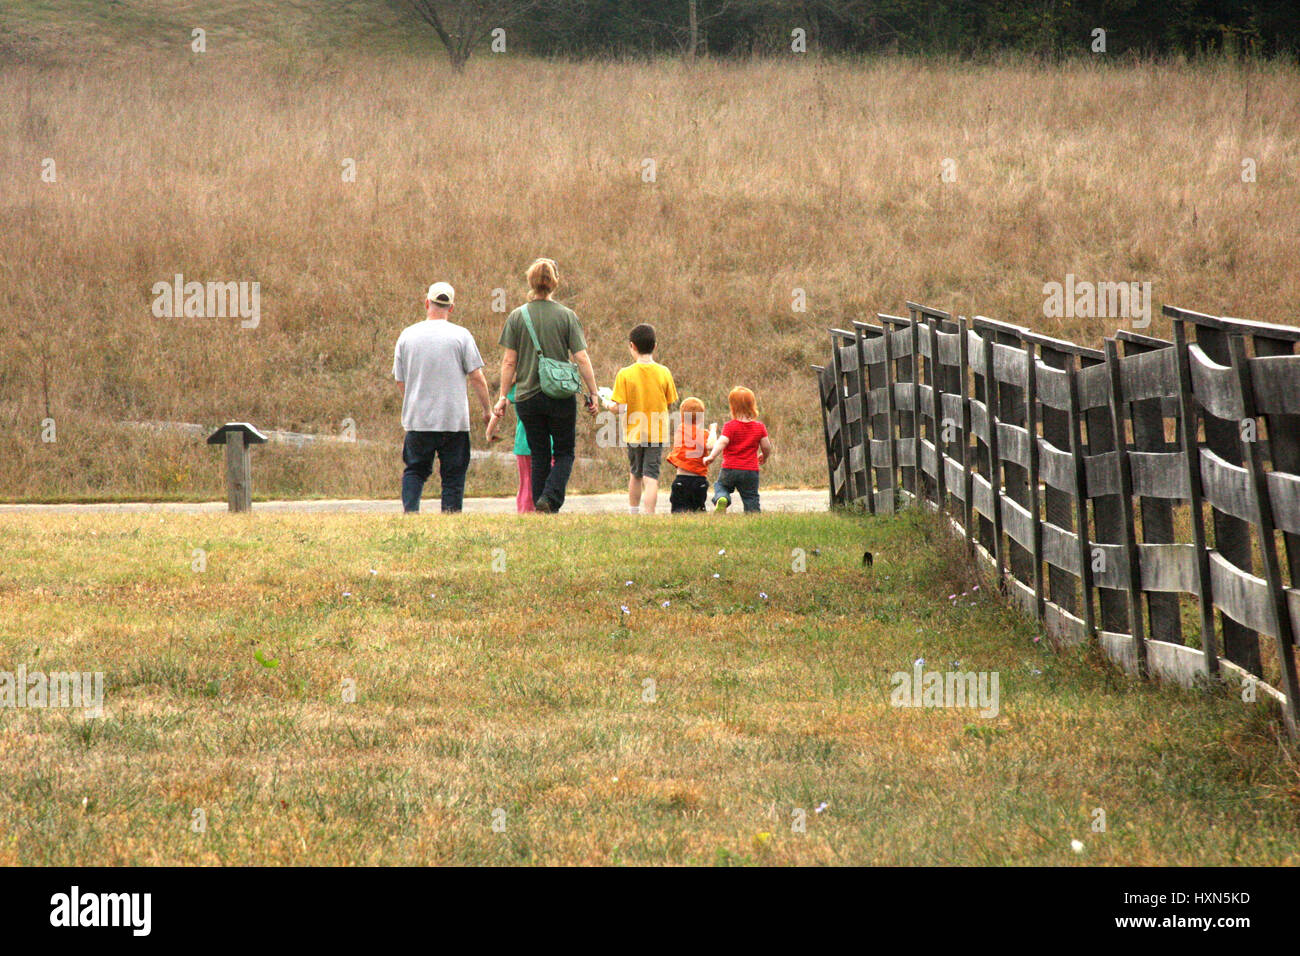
544 418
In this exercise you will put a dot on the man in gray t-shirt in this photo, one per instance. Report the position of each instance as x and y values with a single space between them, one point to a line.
432 360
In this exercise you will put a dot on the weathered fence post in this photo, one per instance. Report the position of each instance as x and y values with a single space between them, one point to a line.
907 419
824 392
991 410
841 401
871 349
1107 516
838 427
1035 507
977 407
1189 419
1271 344
1283 632
1231 534
863 431
1009 398
964 393
1055 418
857 479
936 420
1133 578
918 416
1147 417
1078 453
1283 443
891 411
237 436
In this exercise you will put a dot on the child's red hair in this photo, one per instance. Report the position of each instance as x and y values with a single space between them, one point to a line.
742 402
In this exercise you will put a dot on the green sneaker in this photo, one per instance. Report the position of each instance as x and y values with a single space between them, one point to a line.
720 504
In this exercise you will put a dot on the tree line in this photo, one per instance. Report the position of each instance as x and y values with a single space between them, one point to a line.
966 28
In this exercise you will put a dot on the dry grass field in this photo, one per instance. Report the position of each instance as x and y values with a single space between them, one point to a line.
499 680
770 177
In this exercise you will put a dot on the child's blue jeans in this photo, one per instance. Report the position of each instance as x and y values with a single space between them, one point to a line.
737 479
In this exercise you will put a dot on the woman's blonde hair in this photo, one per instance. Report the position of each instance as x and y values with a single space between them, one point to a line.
742 402
543 278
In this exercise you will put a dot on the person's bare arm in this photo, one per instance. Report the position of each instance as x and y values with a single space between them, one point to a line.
764 449
478 383
509 363
718 446
583 361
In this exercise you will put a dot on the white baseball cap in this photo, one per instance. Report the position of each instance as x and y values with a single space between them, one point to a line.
441 293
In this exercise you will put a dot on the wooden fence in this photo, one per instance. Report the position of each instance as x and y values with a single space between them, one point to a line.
1085 477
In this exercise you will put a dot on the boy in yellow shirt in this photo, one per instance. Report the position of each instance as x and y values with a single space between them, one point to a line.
642 393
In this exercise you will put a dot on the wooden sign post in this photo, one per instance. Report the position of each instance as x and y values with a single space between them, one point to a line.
237 436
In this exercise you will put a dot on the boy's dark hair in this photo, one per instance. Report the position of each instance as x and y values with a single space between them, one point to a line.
643 338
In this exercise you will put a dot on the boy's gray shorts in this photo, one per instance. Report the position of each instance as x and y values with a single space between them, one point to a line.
643 460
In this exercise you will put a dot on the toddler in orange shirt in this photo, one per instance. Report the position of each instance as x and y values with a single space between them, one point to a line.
690 488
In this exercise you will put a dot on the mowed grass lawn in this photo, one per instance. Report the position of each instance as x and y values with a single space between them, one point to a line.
519 697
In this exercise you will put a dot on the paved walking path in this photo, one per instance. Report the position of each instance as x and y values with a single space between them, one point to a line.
611 503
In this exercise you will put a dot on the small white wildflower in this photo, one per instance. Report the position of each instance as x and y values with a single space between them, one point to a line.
1076 846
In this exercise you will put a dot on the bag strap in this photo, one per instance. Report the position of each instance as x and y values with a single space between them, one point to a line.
529 324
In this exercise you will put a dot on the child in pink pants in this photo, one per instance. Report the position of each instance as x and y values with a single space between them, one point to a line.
523 459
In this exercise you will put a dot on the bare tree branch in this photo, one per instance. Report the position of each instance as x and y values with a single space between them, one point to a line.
462 24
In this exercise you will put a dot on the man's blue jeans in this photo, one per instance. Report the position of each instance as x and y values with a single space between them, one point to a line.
418 451
741 480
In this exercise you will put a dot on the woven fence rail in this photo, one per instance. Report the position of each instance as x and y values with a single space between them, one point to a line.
1145 496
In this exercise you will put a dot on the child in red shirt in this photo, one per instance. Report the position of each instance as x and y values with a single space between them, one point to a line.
744 446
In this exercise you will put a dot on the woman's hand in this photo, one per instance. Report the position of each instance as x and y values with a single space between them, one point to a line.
499 409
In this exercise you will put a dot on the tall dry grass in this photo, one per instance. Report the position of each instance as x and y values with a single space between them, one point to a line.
771 176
